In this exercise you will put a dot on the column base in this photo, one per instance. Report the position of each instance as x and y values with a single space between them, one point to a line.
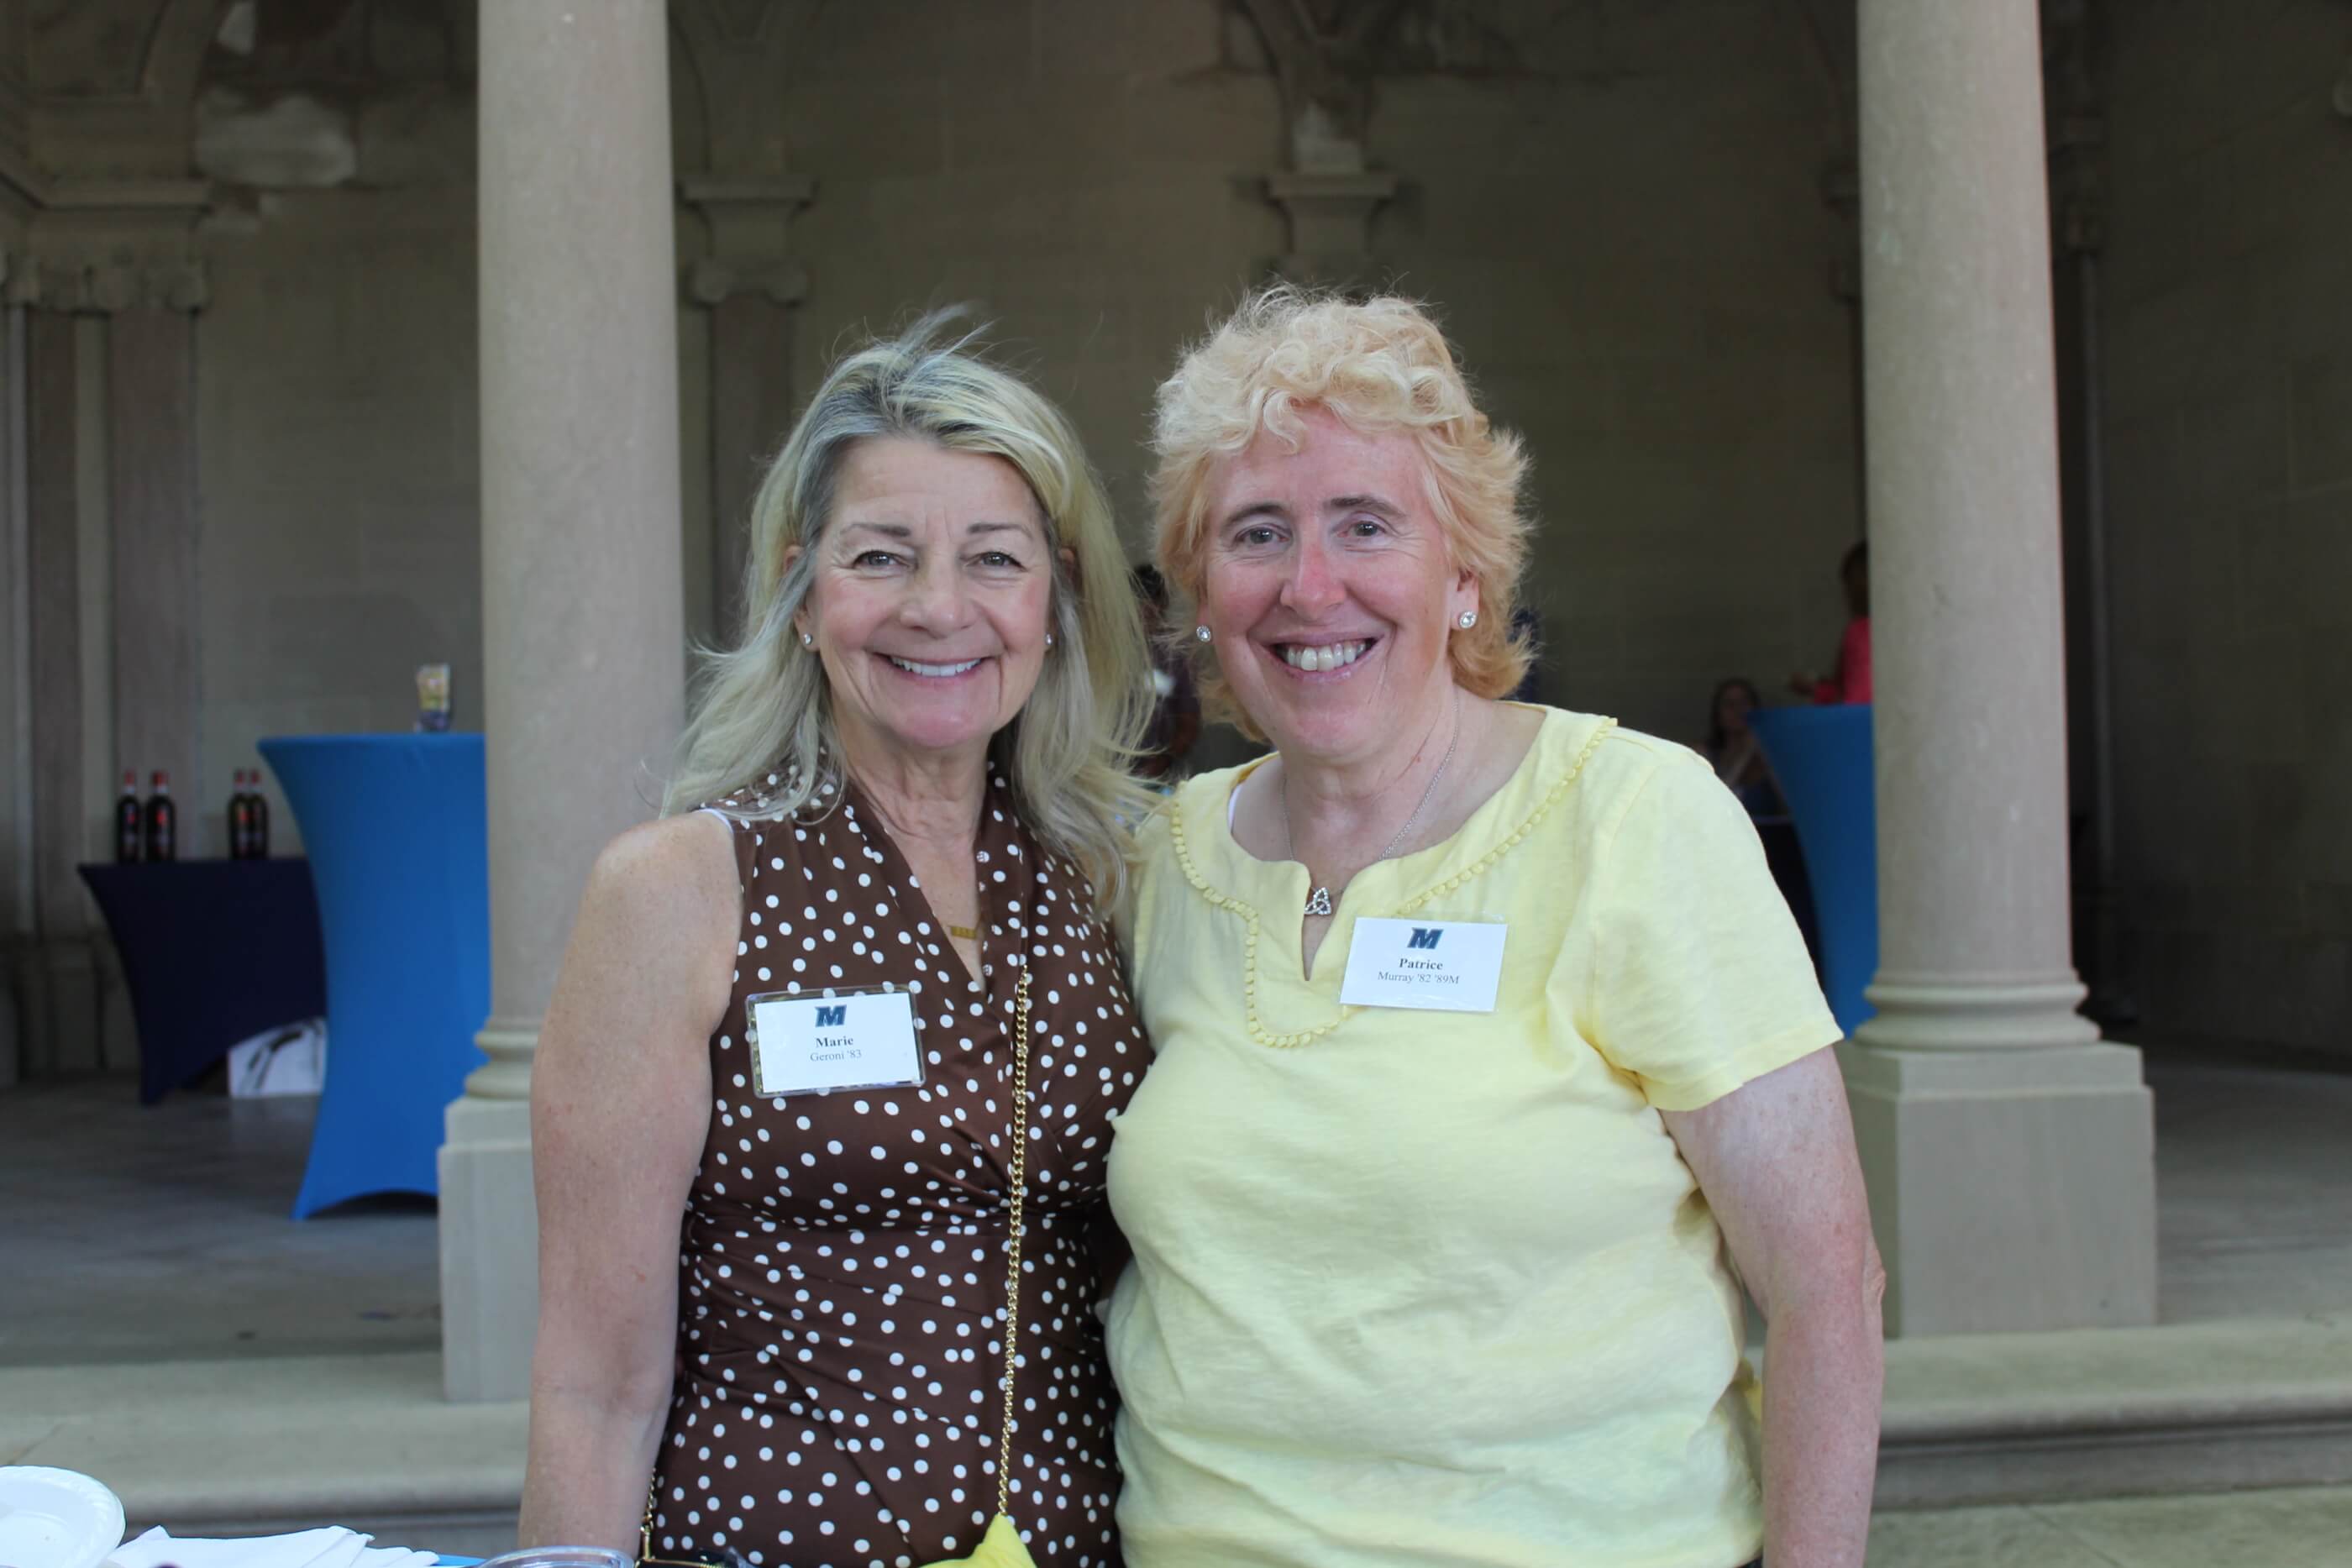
489 1252
2010 1190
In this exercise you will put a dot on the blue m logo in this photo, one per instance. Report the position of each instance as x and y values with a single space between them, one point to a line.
1423 936
833 1017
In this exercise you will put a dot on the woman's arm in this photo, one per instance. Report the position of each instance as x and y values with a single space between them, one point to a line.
1776 1160
620 1101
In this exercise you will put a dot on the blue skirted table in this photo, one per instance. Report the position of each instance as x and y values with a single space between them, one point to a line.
214 952
397 829
1821 757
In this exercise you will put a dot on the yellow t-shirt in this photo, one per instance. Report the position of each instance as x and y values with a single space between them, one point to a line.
1421 1288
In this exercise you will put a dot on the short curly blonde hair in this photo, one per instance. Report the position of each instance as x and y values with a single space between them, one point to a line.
1378 365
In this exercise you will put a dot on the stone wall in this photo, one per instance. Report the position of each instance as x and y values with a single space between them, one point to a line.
1624 217
1621 216
1622 224
337 429
2228 387
1621 210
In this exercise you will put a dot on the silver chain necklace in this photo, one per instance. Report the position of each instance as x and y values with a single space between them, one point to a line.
1319 900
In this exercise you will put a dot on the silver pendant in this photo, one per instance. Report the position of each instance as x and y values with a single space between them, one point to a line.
1321 903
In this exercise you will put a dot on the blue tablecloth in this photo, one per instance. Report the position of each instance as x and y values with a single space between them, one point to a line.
213 952
397 829
1821 757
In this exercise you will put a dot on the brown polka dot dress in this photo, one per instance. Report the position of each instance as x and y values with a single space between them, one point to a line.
839 1393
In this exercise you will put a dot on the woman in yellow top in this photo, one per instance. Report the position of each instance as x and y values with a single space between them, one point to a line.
1489 1060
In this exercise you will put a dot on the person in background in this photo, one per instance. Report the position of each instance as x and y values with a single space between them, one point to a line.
1738 756
1849 683
1733 747
1176 708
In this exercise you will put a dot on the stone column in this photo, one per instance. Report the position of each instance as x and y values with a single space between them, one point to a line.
151 462
2009 1152
750 284
62 1017
1324 60
1329 214
119 255
582 621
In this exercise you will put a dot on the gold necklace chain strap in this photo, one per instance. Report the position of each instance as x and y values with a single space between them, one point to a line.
1020 1178
1020 1175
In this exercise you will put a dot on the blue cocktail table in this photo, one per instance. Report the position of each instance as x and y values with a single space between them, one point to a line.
395 827
1821 757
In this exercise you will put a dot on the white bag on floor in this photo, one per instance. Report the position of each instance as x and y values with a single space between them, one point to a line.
288 1060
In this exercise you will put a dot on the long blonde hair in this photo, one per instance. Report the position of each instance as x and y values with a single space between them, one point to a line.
761 743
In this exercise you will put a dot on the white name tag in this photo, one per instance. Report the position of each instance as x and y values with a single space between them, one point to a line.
856 1039
1447 966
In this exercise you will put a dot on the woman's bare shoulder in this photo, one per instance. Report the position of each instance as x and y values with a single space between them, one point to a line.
693 850
670 886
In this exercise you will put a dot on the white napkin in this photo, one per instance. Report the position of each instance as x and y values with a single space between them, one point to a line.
334 1547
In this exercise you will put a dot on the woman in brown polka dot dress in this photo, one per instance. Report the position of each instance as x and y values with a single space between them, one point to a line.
785 1303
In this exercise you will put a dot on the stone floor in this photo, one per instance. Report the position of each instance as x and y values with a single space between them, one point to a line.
2295 1527
152 1279
145 1234
2253 1177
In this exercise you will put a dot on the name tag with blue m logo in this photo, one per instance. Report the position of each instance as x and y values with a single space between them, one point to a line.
1442 966
811 1042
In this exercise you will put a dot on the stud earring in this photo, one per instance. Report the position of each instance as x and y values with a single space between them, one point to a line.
1049 639
1467 620
1201 633
807 641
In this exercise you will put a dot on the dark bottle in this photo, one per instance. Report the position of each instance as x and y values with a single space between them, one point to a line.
127 824
257 817
240 820
162 819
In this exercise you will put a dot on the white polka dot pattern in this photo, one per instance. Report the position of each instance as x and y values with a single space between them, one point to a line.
842 1275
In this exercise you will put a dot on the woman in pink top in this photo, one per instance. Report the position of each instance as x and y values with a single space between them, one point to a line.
1849 683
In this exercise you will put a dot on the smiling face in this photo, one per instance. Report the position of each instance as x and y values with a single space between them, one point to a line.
1329 591
929 600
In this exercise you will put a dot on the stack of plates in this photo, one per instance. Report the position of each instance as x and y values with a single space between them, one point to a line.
56 1518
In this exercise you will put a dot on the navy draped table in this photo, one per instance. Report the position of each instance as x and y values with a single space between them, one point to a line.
1821 757
397 829
214 952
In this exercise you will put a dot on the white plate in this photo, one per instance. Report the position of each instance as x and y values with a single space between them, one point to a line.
56 1518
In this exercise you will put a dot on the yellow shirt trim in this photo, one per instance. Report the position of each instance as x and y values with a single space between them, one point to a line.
1219 899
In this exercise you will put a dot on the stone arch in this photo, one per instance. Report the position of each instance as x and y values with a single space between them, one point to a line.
173 62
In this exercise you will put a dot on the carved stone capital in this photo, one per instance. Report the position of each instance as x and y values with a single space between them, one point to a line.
786 192
710 281
105 245
1331 217
165 200
750 223
102 286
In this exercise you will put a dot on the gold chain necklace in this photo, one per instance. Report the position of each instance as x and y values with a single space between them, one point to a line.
1020 1175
